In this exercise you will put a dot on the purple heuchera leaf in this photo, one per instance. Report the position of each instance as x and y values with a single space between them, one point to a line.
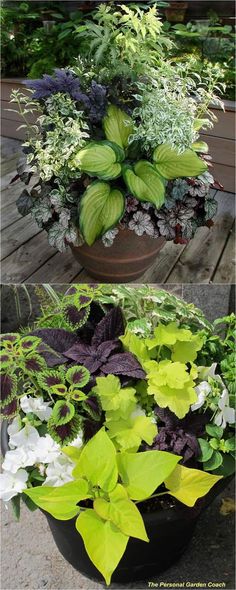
110 327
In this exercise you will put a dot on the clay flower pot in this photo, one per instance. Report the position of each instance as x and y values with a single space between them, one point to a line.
126 260
175 13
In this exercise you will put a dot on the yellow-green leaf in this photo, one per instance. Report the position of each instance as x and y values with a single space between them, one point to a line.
61 502
142 473
170 164
122 512
97 462
117 126
101 208
187 485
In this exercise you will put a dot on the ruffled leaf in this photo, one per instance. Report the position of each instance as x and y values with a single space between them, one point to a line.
78 376
64 433
63 411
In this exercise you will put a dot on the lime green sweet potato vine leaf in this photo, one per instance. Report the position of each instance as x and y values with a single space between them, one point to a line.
97 462
104 542
101 208
187 485
170 164
60 502
142 473
122 512
118 126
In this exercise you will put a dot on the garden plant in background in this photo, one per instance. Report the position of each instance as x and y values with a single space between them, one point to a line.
115 418
107 162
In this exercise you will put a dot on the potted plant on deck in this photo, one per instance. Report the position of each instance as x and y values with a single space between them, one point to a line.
116 148
121 431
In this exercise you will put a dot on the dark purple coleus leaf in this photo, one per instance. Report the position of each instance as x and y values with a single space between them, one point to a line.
76 317
179 436
64 433
110 327
54 342
8 386
93 358
10 410
124 364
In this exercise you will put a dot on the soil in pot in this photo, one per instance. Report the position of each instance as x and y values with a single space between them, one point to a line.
126 260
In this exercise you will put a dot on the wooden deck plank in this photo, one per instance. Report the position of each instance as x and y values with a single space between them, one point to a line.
22 263
200 258
59 268
225 272
11 193
9 214
17 234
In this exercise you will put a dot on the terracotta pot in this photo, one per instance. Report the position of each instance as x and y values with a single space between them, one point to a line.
126 260
176 12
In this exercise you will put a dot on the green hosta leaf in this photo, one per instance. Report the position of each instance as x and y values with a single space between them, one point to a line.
62 412
101 208
97 462
118 126
118 402
214 462
172 386
122 512
170 164
104 542
206 450
133 344
187 485
78 376
214 430
128 434
200 146
100 159
144 183
143 473
199 123
61 502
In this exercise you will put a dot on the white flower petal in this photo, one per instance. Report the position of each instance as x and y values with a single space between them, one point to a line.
11 485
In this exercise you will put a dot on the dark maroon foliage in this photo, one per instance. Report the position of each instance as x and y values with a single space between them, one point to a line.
179 436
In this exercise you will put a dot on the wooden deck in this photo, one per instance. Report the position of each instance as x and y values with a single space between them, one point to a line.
27 257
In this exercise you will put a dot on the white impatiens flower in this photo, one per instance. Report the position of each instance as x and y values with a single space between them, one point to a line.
202 390
226 415
78 441
59 472
17 458
37 406
46 450
12 484
27 437
13 428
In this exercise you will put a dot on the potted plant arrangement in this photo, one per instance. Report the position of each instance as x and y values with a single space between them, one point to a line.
119 428
116 148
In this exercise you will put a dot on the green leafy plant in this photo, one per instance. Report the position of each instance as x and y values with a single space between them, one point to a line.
114 516
217 452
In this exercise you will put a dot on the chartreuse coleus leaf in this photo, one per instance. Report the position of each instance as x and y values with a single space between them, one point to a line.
97 462
144 182
61 502
133 344
118 126
128 434
187 485
183 344
142 473
170 164
120 510
104 542
172 385
101 159
101 208
117 402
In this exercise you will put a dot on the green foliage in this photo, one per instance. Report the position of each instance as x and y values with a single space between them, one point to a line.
170 164
128 434
143 473
183 344
145 183
118 402
61 502
217 450
187 485
118 126
101 208
172 385
101 159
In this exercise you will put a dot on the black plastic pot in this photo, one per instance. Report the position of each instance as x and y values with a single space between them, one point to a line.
169 530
